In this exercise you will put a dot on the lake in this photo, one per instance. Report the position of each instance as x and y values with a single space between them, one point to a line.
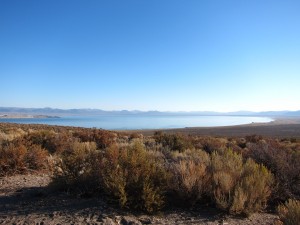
132 122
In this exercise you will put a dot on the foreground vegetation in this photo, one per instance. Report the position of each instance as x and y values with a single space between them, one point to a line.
239 175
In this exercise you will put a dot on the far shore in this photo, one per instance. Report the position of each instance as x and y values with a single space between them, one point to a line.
24 116
281 127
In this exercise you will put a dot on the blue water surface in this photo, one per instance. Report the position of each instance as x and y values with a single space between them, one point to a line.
130 122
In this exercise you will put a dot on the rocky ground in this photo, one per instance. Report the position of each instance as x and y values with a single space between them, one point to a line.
27 199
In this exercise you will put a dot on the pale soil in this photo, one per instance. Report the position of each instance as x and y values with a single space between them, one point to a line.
27 199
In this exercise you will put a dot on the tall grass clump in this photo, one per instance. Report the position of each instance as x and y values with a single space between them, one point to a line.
134 177
238 187
289 212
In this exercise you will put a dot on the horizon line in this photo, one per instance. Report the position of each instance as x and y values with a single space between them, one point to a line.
153 110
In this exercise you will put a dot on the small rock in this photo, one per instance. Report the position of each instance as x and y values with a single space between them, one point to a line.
127 220
145 220
278 222
108 221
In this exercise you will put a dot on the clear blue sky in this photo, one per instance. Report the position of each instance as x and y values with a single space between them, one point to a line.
150 54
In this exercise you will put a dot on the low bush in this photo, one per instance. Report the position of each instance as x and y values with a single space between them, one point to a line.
36 158
12 159
134 177
211 144
78 168
190 175
54 143
226 172
175 142
283 161
102 138
237 187
254 138
17 158
253 190
289 212
43 138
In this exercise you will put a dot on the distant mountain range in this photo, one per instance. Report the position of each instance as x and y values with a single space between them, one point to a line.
84 112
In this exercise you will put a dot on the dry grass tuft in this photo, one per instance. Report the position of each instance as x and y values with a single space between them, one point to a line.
289 212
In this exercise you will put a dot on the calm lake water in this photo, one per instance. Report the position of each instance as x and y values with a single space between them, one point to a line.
130 122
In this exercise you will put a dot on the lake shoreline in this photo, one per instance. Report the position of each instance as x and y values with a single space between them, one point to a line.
25 116
136 122
281 127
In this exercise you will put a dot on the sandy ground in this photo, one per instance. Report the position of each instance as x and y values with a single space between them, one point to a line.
27 199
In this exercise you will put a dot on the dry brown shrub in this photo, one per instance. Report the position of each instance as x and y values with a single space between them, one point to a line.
12 159
36 158
102 138
211 144
190 175
254 138
283 161
174 142
40 137
17 158
78 168
289 212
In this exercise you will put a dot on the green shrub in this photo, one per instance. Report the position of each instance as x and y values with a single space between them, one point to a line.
253 190
237 187
226 172
134 177
289 212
